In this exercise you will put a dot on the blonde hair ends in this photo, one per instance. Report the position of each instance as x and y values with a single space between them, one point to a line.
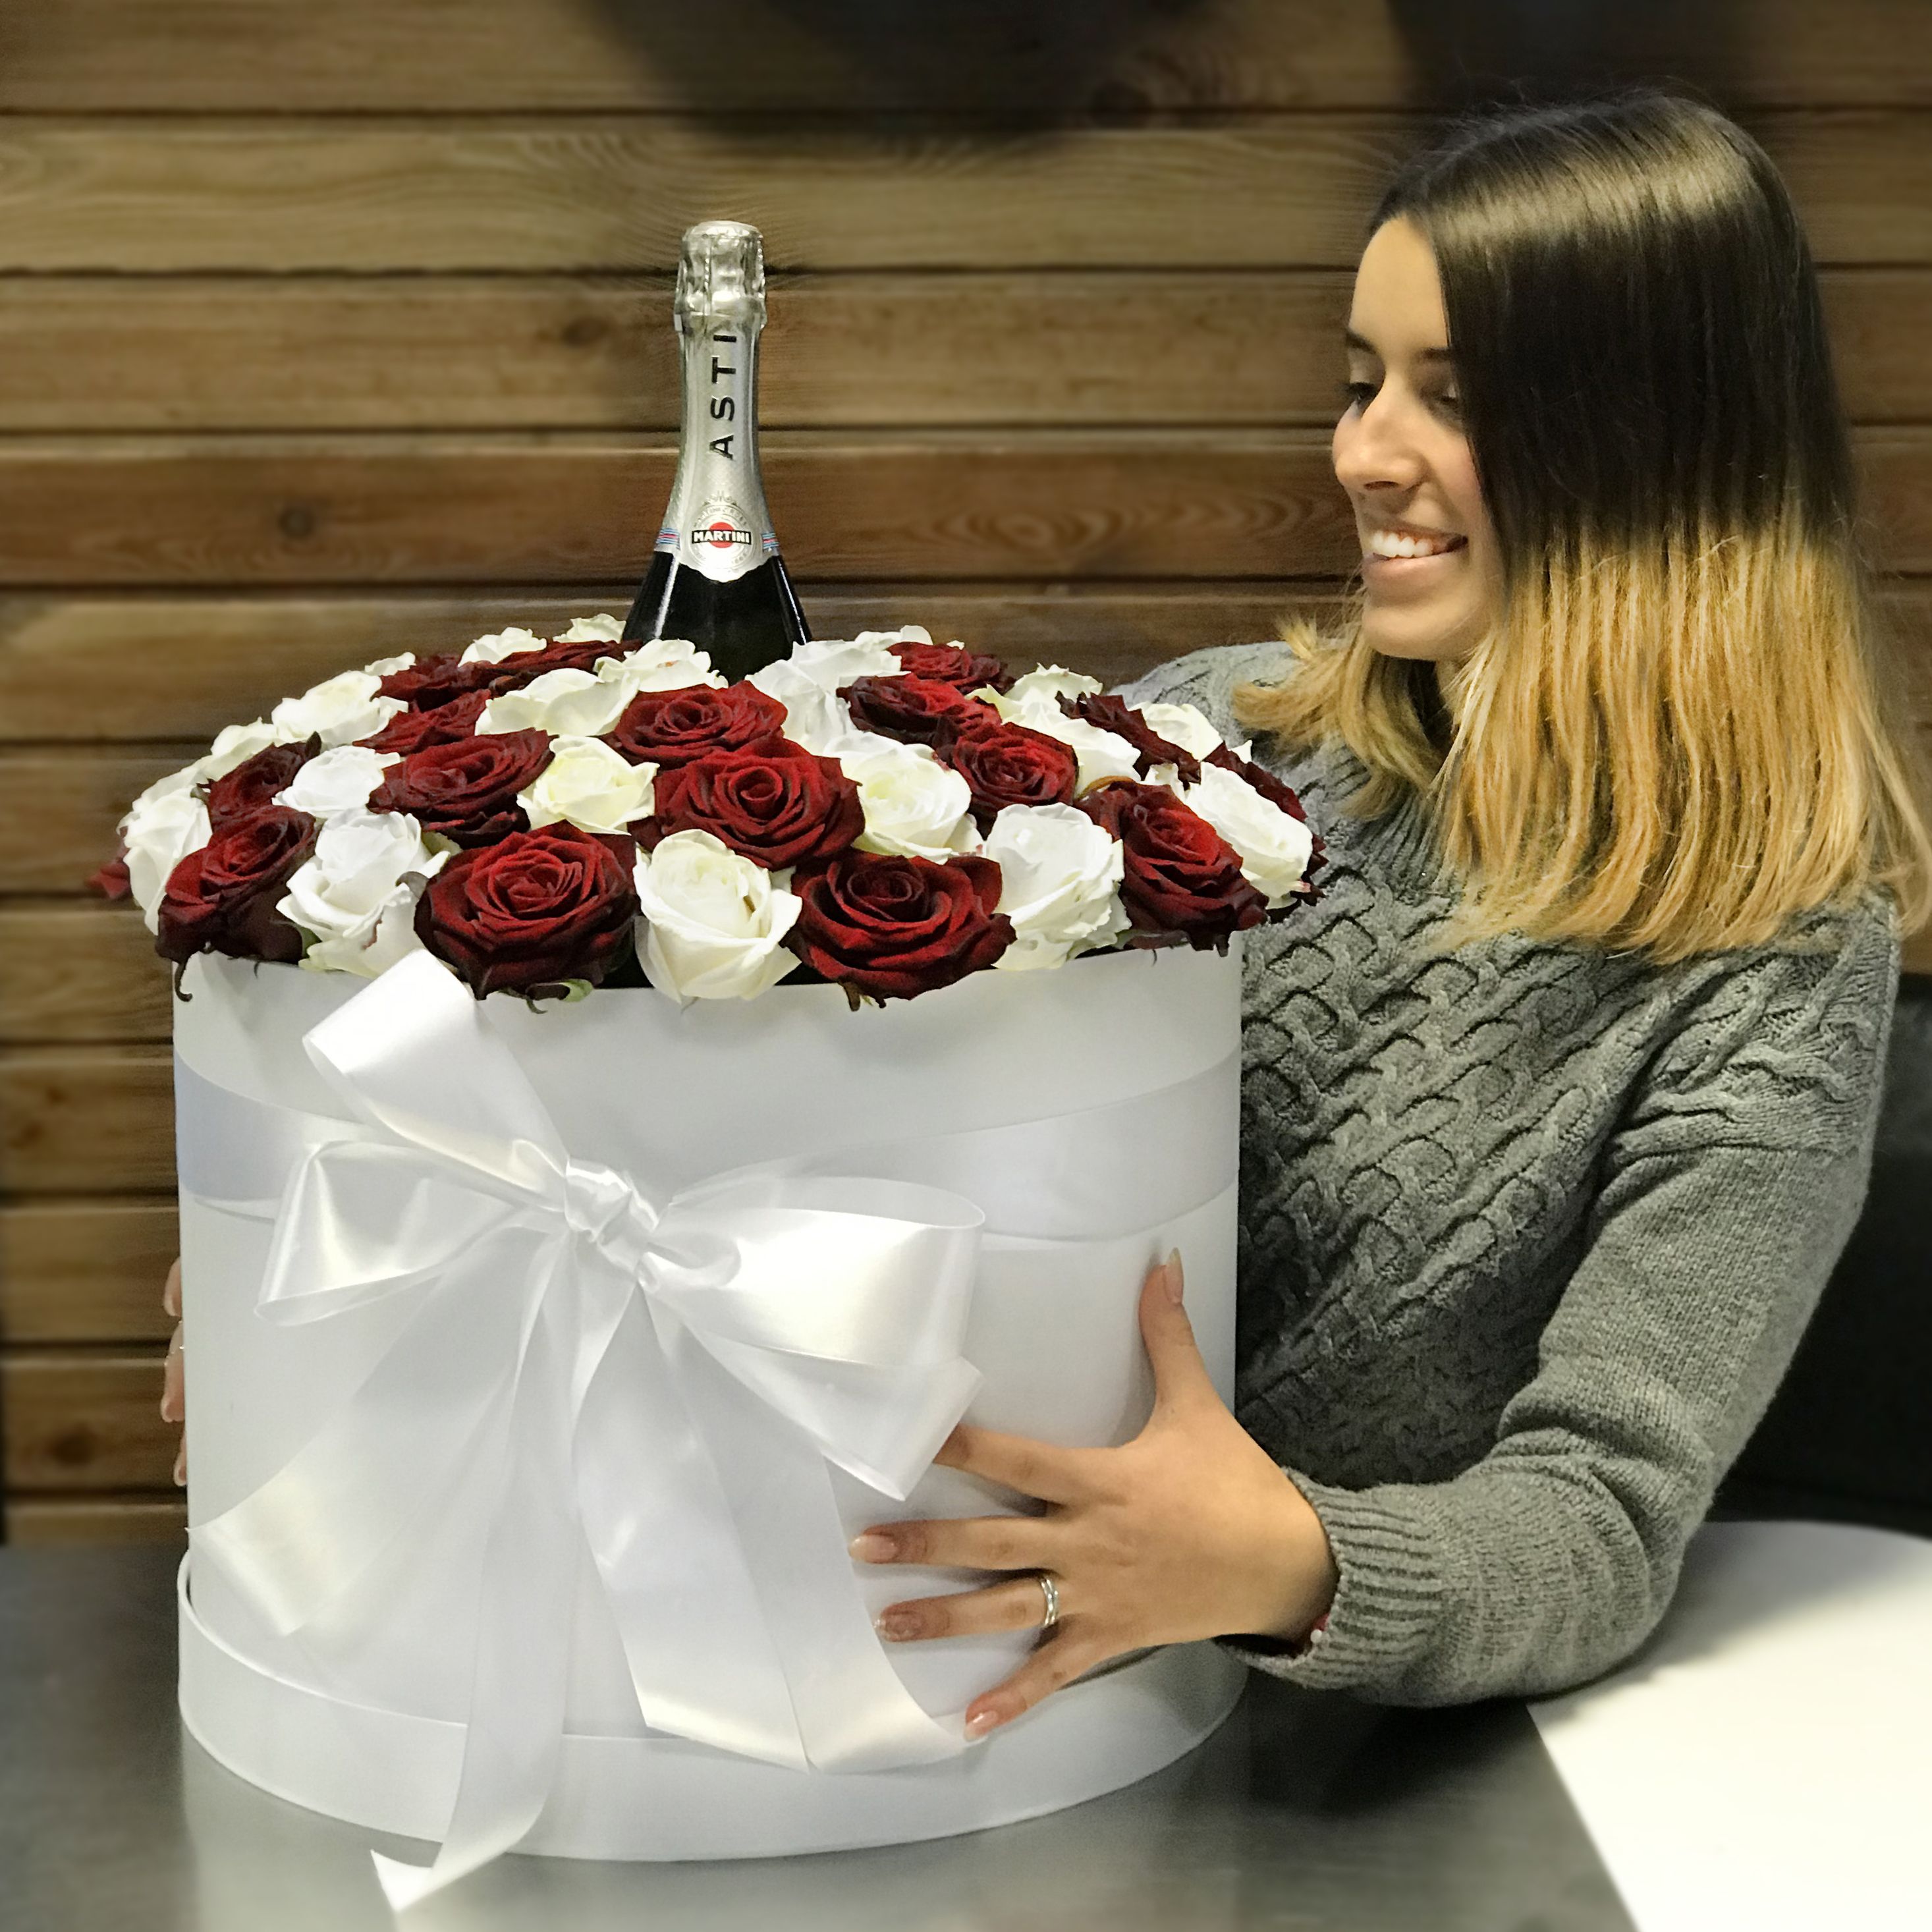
1672 750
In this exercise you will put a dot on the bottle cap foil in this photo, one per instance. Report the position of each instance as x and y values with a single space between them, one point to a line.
720 272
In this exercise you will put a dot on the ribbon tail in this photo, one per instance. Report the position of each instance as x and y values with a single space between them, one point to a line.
852 1712
526 1599
701 1658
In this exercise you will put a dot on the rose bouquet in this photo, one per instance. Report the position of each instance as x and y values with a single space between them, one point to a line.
546 816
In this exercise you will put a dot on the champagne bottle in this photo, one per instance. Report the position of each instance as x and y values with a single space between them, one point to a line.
716 576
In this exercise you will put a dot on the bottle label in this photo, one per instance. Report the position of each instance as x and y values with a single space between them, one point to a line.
716 523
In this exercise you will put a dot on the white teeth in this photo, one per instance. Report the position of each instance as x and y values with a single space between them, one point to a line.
1390 543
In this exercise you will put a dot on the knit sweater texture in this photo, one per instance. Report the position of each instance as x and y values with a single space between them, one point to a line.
1529 1232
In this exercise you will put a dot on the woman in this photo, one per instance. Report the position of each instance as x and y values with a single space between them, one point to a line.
1558 1106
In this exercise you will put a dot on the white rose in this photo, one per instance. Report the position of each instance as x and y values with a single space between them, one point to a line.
829 663
337 780
712 924
588 783
501 644
161 830
355 896
1052 683
339 710
664 664
1101 754
186 779
234 745
603 626
575 703
1061 877
815 717
389 667
1273 845
1186 725
913 805
906 634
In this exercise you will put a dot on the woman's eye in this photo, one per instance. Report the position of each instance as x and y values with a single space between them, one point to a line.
1358 395
1451 404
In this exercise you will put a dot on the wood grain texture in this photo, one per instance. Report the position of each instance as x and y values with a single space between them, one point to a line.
58 812
453 352
139 1517
1113 59
179 666
80 973
86 1120
85 1270
85 1421
603 194
488 509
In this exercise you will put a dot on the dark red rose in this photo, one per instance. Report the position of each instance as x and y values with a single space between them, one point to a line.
1008 764
111 881
411 731
915 710
953 664
1272 789
893 928
773 801
672 728
466 791
1182 877
433 681
535 910
1108 713
518 669
254 782
222 899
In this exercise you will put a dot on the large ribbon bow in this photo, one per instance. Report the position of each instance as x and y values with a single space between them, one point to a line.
666 1382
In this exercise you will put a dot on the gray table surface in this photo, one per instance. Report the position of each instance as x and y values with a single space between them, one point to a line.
1302 1812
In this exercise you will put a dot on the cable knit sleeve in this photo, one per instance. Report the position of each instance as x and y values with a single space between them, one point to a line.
1725 1198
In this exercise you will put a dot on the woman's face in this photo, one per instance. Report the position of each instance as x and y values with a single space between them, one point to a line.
1429 558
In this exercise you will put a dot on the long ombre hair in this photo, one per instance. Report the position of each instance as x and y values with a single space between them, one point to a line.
1684 727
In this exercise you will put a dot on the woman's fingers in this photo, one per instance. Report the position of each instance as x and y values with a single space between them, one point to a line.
174 1406
1181 1377
171 1292
1041 1469
1064 1656
967 1542
1015 1606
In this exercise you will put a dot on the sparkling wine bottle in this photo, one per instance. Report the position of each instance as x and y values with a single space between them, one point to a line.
716 576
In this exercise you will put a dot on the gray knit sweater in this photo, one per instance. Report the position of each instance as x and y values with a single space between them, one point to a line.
1529 1233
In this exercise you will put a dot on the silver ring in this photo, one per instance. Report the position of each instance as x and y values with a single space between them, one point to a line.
1050 1590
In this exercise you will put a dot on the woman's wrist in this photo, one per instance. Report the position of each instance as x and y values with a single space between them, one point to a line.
1305 1575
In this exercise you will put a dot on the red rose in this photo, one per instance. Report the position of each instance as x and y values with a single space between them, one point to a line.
411 731
254 782
915 710
1008 764
893 928
111 881
433 681
953 664
222 899
517 670
773 801
672 728
1115 714
537 909
1182 877
1272 789
467 790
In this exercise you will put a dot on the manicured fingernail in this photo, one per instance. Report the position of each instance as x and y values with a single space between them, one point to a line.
871 1546
980 1722
181 1471
1177 1282
896 1626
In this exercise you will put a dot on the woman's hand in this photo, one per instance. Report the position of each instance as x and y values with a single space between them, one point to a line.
1190 1531
174 1391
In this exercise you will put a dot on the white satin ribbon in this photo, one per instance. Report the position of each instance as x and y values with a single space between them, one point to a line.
666 1382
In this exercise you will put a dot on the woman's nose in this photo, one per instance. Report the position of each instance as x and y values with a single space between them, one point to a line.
1372 450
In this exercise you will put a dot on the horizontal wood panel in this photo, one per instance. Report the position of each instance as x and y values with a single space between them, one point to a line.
455 509
180 666
81 973
85 1270
1003 56
44 1521
57 812
85 1422
480 509
76 1120
227 353
601 193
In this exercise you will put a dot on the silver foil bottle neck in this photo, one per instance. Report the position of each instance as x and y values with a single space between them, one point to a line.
720 274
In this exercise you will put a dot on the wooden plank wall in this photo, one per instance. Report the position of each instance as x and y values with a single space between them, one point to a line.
327 330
